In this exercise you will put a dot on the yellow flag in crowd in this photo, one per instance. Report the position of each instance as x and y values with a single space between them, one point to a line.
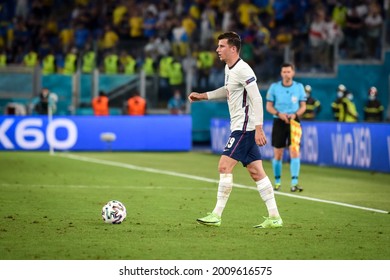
296 133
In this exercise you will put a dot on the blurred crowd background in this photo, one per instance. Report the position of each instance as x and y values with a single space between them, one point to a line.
308 31
174 42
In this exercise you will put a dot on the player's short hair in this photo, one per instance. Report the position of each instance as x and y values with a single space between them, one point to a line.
288 64
233 39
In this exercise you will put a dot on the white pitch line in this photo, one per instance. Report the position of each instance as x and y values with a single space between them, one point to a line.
187 176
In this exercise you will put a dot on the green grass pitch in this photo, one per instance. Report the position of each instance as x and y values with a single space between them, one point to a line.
50 209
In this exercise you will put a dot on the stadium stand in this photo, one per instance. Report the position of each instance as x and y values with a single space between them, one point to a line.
316 35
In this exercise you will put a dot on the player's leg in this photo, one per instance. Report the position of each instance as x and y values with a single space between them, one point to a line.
225 186
264 186
255 168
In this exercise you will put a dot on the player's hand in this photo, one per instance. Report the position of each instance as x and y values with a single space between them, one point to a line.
195 96
260 138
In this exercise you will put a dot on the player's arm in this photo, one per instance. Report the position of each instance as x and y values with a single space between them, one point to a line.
215 94
256 102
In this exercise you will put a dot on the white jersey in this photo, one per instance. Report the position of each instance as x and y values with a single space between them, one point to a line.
244 109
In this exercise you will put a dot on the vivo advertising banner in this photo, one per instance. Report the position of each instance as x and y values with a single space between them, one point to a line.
350 145
90 133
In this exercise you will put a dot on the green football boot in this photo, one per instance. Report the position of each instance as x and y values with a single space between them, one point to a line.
271 222
211 219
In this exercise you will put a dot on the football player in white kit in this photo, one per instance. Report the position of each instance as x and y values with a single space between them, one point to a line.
246 125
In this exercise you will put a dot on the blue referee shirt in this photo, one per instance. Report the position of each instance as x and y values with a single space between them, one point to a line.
286 99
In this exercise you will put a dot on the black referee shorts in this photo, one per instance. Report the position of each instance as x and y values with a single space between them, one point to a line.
281 136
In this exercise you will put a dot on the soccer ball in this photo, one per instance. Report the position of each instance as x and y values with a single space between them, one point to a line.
114 212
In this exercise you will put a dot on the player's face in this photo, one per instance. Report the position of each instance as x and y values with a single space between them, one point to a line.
287 74
223 50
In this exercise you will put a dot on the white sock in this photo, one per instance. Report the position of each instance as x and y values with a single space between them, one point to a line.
225 187
264 186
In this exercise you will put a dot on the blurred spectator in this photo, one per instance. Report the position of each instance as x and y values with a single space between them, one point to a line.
22 9
313 106
245 10
60 60
318 39
207 25
347 109
136 23
283 37
44 47
16 109
205 62
179 40
30 59
247 51
354 31
189 68
164 68
109 38
373 109
163 46
228 19
66 38
149 25
100 105
148 65
88 60
49 63
189 25
165 24
341 90
21 35
151 48
217 76
284 12
3 58
136 105
176 103
334 38
45 101
339 14
127 63
18 55
151 7
81 36
374 24
164 12
195 10
50 28
70 63
176 76
111 63
119 13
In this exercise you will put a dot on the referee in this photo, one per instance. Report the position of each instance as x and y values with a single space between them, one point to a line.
286 100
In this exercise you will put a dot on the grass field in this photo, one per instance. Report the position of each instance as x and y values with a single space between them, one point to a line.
50 208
